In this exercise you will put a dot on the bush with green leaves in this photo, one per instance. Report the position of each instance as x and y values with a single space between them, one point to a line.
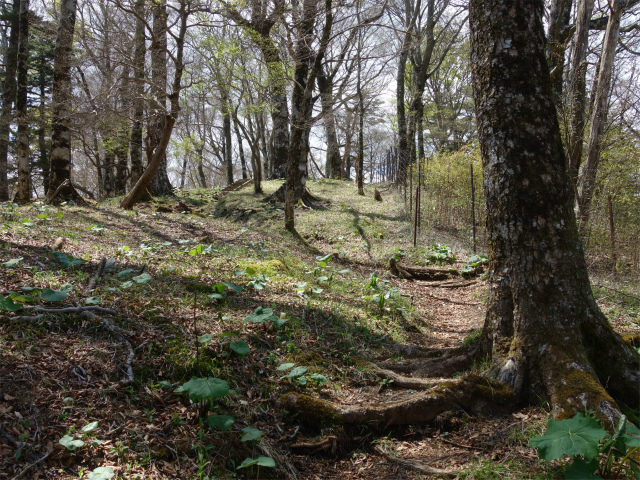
14 301
266 315
594 453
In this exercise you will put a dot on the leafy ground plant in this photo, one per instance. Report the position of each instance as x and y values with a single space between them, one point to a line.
594 454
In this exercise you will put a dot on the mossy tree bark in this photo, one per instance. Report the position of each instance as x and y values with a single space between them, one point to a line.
544 332
23 192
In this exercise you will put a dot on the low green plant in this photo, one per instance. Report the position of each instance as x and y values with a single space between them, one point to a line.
297 375
440 255
594 453
203 391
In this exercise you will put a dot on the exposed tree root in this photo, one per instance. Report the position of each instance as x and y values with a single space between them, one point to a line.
326 444
400 381
473 393
66 192
431 362
307 199
415 465
93 280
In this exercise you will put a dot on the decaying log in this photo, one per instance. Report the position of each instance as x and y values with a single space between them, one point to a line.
420 273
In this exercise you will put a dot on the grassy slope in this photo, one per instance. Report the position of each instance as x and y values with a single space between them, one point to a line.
57 377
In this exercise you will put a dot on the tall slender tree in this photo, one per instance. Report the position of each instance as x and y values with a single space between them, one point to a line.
23 192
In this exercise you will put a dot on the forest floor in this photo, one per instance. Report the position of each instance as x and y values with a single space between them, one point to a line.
217 289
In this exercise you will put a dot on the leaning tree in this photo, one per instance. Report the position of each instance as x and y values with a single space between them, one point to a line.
544 333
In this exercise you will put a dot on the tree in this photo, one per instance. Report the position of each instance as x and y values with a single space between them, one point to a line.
543 331
60 187
170 115
23 193
8 97
546 336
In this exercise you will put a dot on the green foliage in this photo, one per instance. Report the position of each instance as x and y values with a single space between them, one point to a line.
101 473
67 260
261 315
260 461
297 375
13 262
69 443
440 255
250 434
221 422
585 441
200 389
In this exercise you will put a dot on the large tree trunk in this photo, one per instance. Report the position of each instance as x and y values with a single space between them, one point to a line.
160 184
8 97
544 332
60 187
159 153
599 113
137 92
226 131
23 193
577 91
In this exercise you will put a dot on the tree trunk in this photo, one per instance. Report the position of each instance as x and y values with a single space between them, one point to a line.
559 18
226 131
243 161
544 332
334 160
599 114
160 184
577 93
137 93
360 176
23 193
60 163
8 97
403 144
43 158
159 153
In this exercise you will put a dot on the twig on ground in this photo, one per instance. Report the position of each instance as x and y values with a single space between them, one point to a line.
460 445
415 465
30 466
329 443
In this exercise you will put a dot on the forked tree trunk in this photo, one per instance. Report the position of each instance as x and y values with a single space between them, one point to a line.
23 193
60 187
544 332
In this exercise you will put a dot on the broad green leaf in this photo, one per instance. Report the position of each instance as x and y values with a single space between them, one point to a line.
219 287
322 279
250 271
300 381
67 260
579 435
581 469
89 427
69 443
233 286
13 262
285 366
250 433
125 272
142 279
240 347
260 315
101 473
316 377
205 388
279 322
206 338
221 422
92 301
261 461
346 270
6 303
49 295
164 384
632 438
326 258
30 289
195 251
126 284
297 372
216 296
